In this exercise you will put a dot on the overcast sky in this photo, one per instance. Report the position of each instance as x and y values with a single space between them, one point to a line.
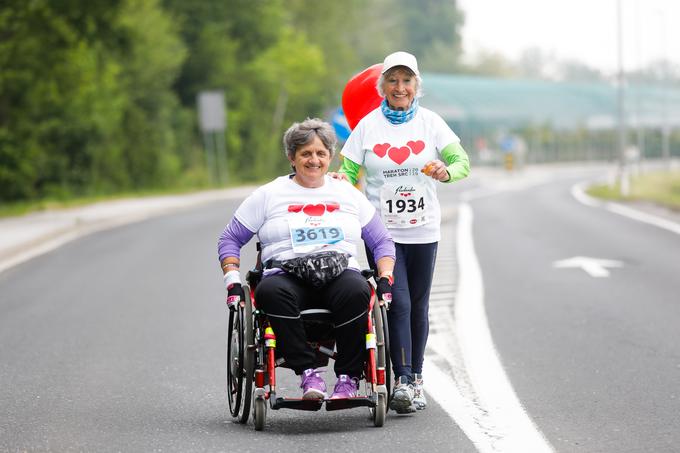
584 30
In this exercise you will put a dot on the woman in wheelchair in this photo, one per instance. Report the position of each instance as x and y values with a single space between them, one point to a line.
309 226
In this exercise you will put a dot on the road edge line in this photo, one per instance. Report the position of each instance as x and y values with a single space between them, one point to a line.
581 196
515 429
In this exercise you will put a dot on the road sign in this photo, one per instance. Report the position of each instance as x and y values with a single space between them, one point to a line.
211 111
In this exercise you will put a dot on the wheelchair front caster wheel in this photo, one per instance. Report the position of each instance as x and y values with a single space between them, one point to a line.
380 410
259 412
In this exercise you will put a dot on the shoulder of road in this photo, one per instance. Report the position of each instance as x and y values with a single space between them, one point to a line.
27 236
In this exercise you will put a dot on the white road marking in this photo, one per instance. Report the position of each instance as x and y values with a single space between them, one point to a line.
595 267
579 193
463 371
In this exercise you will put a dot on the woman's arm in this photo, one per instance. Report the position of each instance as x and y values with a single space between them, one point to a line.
381 245
457 161
234 236
385 267
350 169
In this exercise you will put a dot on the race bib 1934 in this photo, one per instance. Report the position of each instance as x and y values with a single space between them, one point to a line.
404 205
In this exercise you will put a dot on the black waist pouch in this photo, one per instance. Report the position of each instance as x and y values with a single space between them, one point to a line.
316 269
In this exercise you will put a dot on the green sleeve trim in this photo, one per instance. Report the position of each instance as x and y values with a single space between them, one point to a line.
457 161
351 169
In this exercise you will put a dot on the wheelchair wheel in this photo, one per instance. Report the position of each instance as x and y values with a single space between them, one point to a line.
235 347
259 412
382 361
383 340
380 411
248 356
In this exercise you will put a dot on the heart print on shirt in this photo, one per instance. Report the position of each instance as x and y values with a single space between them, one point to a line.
398 154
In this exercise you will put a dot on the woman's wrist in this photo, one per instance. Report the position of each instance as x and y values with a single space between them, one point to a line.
231 278
388 275
230 266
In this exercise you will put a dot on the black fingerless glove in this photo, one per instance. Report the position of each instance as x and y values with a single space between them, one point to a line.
384 290
235 295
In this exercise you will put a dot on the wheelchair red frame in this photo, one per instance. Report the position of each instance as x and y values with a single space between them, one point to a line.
252 360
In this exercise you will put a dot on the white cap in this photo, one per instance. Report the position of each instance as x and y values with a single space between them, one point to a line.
400 59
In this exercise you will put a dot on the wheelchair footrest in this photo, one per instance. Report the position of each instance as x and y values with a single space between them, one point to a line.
297 403
349 403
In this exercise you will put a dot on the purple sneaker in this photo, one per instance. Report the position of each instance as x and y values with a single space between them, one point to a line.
313 386
346 387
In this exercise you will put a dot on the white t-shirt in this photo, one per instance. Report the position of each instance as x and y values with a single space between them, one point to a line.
291 220
393 155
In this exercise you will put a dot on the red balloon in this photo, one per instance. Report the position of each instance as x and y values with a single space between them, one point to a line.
360 95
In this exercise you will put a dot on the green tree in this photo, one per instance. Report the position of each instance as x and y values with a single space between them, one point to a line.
101 96
54 114
271 74
287 81
152 55
86 104
431 30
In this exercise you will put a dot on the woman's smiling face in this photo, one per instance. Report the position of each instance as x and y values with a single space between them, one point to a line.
399 88
311 162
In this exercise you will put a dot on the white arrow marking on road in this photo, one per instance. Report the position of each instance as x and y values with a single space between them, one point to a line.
595 267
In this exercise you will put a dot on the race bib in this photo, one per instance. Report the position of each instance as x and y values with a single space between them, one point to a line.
309 234
404 205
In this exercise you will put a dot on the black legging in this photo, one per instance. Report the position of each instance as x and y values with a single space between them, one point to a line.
408 314
282 297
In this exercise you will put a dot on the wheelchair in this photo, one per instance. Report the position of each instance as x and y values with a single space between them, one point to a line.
252 359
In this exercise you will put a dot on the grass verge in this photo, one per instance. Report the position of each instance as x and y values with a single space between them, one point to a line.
662 188
50 204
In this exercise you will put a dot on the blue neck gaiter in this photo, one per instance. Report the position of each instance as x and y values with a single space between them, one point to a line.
399 116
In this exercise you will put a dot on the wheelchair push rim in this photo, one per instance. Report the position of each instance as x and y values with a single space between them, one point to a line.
234 365
248 356
379 412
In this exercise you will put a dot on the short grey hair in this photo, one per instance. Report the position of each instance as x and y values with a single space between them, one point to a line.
299 134
389 72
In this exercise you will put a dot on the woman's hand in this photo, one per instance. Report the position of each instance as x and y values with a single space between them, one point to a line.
436 170
235 295
340 176
383 290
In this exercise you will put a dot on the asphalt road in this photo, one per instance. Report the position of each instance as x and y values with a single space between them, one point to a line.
594 361
115 342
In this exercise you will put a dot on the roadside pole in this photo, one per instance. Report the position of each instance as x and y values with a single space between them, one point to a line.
624 177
